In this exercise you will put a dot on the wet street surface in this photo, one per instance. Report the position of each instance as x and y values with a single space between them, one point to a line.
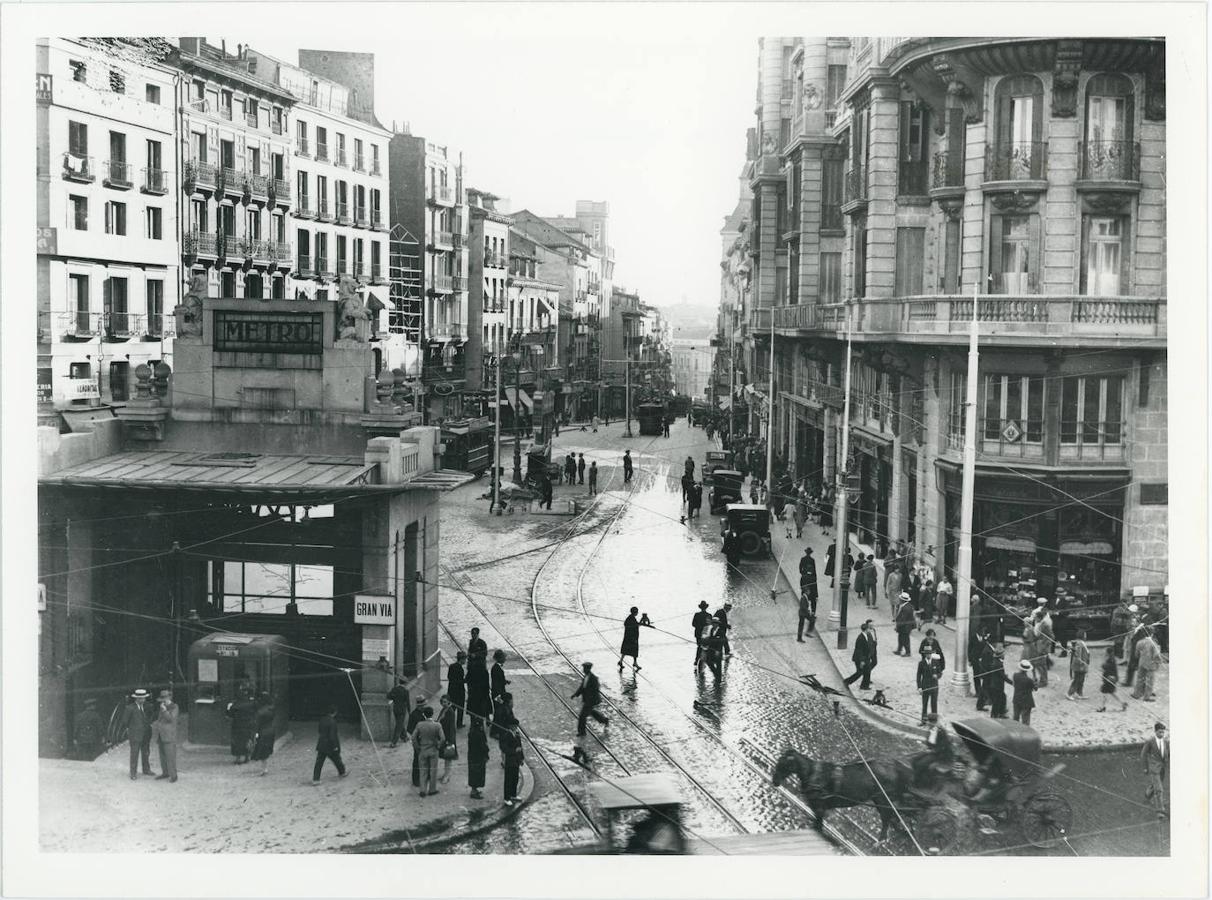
553 591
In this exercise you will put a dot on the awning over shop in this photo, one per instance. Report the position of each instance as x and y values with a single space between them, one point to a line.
725 403
512 394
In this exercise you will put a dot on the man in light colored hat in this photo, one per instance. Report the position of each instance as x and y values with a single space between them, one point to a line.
137 720
1024 693
905 621
165 731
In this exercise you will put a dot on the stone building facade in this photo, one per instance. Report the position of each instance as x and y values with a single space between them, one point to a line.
895 178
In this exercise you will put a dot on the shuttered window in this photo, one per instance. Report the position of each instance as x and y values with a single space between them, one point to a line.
1014 254
831 277
1105 256
910 259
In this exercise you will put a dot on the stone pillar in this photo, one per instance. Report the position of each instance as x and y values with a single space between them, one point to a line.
882 160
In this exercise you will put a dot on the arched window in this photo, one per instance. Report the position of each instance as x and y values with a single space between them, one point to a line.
1108 151
1019 151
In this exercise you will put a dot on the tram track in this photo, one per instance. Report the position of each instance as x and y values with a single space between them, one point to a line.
614 707
763 769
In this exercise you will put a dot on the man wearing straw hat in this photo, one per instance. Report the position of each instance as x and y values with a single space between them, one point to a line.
137 719
1024 689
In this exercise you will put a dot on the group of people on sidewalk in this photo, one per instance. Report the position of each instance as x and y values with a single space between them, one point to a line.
476 694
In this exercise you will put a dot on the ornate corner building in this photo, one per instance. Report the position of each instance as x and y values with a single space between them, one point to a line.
891 180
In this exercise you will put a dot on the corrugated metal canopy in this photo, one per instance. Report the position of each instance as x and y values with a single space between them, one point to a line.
191 470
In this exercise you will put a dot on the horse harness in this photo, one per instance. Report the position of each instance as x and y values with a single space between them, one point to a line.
825 778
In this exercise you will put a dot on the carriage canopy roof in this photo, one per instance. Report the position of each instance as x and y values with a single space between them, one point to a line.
1016 745
637 791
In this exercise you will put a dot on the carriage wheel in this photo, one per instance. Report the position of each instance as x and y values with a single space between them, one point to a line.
1046 819
751 543
936 830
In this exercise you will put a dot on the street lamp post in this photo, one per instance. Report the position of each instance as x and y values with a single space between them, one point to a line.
517 416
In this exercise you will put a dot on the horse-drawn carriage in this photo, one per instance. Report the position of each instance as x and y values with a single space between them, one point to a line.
990 780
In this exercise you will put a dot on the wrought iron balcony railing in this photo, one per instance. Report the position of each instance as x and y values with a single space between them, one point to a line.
1021 161
1109 161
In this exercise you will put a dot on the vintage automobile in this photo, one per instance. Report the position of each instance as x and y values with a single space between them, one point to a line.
746 527
717 459
726 487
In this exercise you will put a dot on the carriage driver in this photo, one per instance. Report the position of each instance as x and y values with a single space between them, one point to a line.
933 769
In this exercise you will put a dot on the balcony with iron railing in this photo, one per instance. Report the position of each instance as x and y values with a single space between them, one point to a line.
375 169
341 159
342 266
303 266
359 163
443 194
232 179
1023 163
275 126
343 214
78 168
199 174
443 240
118 175
459 282
1004 319
360 219
225 112
282 252
256 186
78 324
376 274
321 151
281 191
854 190
1103 162
304 209
443 284
253 120
200 243
376 221
155 181
947 175
302 147
323 211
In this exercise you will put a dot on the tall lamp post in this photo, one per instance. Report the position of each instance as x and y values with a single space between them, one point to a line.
516 356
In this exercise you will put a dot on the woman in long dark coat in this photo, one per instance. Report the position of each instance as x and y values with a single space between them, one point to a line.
263 747
479 696
243 714
477 757
631 640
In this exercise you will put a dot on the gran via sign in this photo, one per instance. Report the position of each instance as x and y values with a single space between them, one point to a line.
374 609
268 332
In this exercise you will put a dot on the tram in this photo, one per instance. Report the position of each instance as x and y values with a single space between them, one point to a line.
467 445
652 417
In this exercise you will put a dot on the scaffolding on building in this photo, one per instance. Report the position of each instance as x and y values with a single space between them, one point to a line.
406 290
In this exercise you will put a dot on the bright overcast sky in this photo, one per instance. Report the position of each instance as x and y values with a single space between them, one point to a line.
585 110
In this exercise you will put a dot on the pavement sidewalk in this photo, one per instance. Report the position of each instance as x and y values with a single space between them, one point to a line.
217 806
1063 724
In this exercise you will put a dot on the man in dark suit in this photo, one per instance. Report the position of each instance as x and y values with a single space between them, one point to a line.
456 690
808 578
590 693
700 623
864 656
477 649
137 719
496 675
580 468
1155 757
415 718
400 701
328 745
1023 700
721 616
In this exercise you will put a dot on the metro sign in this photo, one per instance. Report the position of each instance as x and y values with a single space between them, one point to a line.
1011 433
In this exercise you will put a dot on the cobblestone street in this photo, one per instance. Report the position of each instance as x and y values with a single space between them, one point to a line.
630 547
